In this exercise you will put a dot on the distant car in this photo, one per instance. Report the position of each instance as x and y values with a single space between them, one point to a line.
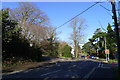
92 57
87 57
96 57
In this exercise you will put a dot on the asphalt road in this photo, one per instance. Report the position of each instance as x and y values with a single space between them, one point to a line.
81 70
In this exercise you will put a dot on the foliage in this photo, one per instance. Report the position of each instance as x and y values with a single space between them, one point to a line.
35 27
27 34
14 45
64 50
96 44
8 32
60 48
111 40
86 47
67 51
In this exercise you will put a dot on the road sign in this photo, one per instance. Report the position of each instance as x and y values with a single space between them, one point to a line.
97 50
107 51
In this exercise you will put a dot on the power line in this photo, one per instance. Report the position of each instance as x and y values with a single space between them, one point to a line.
106 9
77 15
102 26
109 14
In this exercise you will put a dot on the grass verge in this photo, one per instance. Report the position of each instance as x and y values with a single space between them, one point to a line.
115 60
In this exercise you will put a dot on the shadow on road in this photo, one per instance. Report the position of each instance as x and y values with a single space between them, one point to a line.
78 70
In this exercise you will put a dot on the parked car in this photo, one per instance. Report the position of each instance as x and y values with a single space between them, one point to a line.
92 57
96 57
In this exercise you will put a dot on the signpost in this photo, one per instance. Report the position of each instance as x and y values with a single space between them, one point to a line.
107 51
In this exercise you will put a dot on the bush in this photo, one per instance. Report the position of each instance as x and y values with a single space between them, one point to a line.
67 51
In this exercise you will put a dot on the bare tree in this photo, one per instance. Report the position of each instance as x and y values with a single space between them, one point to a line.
28 12
32 20
77 24
37 34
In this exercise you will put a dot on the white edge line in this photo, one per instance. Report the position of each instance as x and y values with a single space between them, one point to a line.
50 73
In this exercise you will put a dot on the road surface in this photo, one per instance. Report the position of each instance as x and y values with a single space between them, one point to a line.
81 70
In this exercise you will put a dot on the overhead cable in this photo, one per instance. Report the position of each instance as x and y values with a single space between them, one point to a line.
78 15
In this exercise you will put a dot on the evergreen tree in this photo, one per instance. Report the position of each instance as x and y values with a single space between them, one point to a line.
8 29
13 44
67 51
111 43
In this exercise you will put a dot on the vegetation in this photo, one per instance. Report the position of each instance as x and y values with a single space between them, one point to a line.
113 60
77 24
18 32
15 47
27 34
64 50
101 41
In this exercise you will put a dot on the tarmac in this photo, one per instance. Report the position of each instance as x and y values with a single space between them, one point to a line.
31 65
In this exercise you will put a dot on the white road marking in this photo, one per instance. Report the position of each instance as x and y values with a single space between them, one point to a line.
99 64
72 66
88 75
76 65
28 70
49 66
50 73
105 67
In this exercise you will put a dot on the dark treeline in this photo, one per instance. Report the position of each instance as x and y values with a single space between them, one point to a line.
13 44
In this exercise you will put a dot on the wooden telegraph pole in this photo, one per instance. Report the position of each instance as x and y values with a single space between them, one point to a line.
117 31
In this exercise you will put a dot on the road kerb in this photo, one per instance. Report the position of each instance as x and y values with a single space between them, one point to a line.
43 63
89 74
16 71
12 72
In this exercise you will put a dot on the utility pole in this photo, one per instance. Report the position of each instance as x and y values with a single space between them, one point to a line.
117 31
105 48
107 55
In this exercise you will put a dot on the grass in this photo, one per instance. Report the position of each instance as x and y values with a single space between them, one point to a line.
11 64
115 60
